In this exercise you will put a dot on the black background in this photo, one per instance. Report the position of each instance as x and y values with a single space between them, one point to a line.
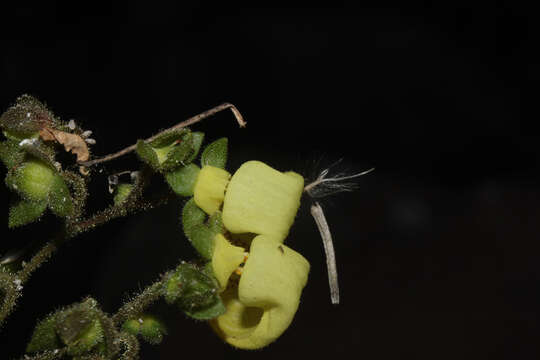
437 250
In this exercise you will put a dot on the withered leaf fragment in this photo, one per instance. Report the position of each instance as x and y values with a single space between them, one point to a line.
72 142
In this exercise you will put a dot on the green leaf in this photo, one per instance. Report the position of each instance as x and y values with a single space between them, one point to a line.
87 339
215 154
60 201
197 138
147 154
44 336
215 224
192 215
182 180
202 239
25 212
10 153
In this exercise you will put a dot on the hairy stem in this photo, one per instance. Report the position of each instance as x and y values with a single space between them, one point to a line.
136 306
183 124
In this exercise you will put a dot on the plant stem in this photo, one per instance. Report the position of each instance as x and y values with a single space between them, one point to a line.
183 124
140 302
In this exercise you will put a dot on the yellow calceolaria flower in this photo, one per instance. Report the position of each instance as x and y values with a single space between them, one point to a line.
263 305
262 201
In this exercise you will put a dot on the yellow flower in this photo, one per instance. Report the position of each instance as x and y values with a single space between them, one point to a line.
263 305
261 201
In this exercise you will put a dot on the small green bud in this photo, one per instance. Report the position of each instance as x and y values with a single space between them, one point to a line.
148 327
25 212
44 336
215 154
60 201
26 118
79 328
194 292
121 193
182 180
167 152
33 180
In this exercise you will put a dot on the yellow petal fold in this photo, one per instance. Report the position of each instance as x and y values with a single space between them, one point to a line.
209 190
225 260
262 200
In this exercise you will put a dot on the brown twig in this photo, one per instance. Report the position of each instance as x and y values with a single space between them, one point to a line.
183 124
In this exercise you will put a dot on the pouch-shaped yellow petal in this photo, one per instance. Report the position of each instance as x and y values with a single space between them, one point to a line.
225 259
209 190
272 281
238 321
262 200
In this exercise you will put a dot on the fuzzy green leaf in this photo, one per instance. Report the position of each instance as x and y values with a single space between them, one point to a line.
10 153
182 180
60 201
25 212
202 239
44 336
197 138
192 215
87 339
147 154
215 154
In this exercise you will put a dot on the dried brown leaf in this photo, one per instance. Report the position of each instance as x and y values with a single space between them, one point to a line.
71 142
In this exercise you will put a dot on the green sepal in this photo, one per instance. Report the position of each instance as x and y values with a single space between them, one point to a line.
209 312
121 193
87 340
10 153
44 336
201 234
147 154
60 201
25 212
179 153
182 180
215 154
39 150
197 139
27 117
31 179
192 215
168 138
